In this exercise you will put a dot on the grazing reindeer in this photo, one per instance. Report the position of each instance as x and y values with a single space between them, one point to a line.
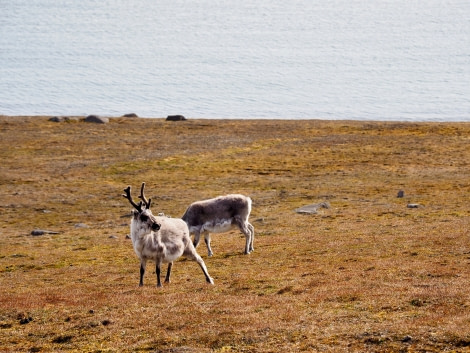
219 215
160 239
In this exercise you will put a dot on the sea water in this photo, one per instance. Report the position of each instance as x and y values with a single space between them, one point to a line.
302 59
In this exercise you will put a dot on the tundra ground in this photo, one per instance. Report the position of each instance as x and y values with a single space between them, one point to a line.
367 274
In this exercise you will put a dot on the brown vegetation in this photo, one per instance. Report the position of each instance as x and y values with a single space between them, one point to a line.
366 274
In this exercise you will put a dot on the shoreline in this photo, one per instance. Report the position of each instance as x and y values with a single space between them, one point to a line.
81 117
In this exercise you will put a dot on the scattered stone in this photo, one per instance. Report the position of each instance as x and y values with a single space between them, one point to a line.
18 255
96 119
417 302
57 119
407 339
128 236
312 209
130 115
175 118
106 322
38 232
81 225
61 119
112 237
401 194
24 318
413 205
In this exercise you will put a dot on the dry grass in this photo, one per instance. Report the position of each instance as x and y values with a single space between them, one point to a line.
367 274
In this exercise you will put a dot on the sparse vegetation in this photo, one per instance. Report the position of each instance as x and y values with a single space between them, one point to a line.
366 274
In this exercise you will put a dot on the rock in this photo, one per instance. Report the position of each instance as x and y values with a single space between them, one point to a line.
57 119
38 232
24 319
312 209
96 119
175 118
130 115
401 194
413 205
61 119
112 237
407 339
81 225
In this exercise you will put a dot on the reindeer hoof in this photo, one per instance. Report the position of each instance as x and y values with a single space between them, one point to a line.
210 281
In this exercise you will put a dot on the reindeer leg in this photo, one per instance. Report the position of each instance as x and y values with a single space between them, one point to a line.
157 271
167 278
207 239
197 236
252 231
245 229
143 264
191 254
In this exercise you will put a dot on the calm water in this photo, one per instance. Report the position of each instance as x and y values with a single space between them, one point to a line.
299 59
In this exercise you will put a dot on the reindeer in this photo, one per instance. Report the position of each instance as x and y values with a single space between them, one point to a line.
219 215
160 239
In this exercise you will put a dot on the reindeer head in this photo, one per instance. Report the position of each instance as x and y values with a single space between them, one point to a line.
143 217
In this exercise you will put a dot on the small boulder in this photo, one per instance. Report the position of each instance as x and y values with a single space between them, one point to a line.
38 232
407 339
57 119
413 205
312 209
96 119
175 118
61 119
401 194
130 115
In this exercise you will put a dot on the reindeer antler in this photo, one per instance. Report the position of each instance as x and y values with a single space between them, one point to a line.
142 197
129 197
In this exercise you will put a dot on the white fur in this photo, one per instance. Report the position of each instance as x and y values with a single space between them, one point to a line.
164 245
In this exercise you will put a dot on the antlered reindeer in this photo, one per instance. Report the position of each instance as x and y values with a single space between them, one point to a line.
160 239
219 215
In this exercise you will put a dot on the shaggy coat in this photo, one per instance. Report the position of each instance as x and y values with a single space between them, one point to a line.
219 215
160 239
